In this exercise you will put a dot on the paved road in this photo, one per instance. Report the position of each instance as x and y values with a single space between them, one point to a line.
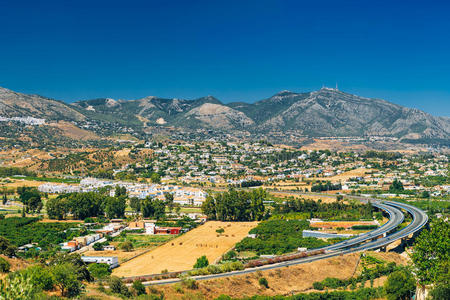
396 217
360 243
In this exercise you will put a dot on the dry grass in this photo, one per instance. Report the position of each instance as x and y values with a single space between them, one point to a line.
285 281
21 182
181 253
74 132
360 172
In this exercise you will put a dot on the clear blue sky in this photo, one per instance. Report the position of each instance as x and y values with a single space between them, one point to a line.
235 50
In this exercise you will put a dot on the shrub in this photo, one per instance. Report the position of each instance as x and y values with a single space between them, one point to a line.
117 286
99 271
4 265
138 287
126 246
229 255
220 230
201 262
263 282
40 277
400 284
333 283
318 285
189 283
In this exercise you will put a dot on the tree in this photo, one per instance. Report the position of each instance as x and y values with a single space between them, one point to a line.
78 266
431 254
4 265
425 194
115 207
41 277
396 186
84 205
235 205
66 280
135 204
126 246
153 208
6 247
120 191
57 208
97 247
31 199
400 285
169 201
117 286
155 178
138 288
99 271
202 262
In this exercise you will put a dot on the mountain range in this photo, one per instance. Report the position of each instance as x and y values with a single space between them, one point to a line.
323 113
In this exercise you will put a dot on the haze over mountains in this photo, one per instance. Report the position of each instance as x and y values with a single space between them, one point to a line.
326 112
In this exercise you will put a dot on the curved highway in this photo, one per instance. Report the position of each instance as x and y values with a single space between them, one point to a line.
362 242
396 217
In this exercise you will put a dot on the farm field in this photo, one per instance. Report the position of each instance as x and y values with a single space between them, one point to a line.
182 252
324 198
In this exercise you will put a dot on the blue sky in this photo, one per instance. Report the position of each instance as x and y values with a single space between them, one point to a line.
234 50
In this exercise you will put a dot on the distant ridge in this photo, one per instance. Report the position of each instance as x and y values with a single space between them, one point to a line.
326 112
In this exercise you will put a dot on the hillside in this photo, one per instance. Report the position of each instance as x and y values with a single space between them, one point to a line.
14 104
323 113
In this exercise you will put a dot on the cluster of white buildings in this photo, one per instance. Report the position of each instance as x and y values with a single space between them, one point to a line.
24 120
80 241
182 195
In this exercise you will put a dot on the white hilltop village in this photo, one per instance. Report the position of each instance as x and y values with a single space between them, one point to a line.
25 120
182 195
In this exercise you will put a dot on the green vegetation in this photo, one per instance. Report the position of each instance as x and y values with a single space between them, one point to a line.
278 237
31 199
11 171
66 272
138 288
4 265
330 211
360 294
431 256
372 268
139 241
431 206
99 271
20 231
327 186
235 205
126 246
263 282
202 262
396 186
217 269
400 285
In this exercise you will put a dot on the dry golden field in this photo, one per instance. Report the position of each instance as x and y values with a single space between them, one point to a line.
182 253
360 172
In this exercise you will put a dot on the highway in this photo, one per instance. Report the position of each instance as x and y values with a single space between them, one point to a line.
363 242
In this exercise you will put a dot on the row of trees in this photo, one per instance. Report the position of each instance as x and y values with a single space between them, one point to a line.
327 186
85 205
235 205
318 209
31 199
